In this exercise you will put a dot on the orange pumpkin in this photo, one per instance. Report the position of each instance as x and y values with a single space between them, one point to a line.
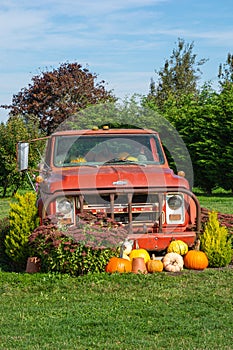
196 260
154 265
120 265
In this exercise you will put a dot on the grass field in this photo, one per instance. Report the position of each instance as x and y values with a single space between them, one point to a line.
191 310
4 207
222 203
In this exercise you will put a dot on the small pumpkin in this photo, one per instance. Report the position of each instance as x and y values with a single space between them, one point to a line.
132 159
178 246
139 253
196 260
120 265
154 265
173 262
78 160
39 179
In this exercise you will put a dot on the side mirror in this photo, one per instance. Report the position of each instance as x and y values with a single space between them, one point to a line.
22 155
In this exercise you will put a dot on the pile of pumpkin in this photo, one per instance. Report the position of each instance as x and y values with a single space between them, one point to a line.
176 258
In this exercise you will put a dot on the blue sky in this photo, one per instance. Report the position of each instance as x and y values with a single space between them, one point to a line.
122 41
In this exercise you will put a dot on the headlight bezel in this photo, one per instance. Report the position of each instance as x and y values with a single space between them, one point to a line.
174 201
175 209
64 205
65 210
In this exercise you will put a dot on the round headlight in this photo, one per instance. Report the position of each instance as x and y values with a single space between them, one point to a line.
64 206
174 202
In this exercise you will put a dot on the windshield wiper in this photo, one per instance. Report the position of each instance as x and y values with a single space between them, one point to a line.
125 161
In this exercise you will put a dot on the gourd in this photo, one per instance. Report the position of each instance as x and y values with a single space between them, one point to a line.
196 260
178 246
127 246
173 262
123 155
154 265
125 256
120 265
132 159
139 253
39 179
78 160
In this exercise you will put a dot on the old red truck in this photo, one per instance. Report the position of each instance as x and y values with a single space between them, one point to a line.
123 173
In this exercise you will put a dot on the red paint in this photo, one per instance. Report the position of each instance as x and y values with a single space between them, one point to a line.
149 180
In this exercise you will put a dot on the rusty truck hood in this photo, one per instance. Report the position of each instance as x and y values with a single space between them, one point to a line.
111 176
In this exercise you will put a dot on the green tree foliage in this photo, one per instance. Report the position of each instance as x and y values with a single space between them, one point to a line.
202 117
225 103
13 131
225 73
197 122
55 95
24 219
178 76
216 242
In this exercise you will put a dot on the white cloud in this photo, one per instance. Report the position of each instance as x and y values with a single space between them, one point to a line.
122 41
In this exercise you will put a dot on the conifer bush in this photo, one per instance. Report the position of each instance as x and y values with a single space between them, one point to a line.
216 242
23 219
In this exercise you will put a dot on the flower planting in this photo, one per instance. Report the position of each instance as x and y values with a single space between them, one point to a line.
79 250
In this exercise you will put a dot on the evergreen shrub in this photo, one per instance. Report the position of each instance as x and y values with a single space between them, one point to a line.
216 242
23 218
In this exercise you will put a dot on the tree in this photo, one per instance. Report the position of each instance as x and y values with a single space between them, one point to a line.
225 107
225 73
178 76
13 131
225 103
55 95
198 122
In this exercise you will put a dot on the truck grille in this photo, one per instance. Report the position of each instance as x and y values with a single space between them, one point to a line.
137 209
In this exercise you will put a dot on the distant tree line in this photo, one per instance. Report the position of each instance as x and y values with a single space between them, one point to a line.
201 115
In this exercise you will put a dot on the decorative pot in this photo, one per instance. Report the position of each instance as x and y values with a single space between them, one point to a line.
33 265
139 265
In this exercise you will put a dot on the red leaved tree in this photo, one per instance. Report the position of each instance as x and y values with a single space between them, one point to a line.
55 95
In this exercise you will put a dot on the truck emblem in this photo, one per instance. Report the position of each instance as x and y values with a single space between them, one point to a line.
120 182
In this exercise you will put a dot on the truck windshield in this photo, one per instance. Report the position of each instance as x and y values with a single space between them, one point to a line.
98 149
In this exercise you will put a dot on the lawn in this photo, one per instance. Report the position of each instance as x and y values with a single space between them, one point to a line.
4 207
190 310
221 203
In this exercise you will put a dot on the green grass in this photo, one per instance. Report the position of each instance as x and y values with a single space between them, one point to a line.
4 207
191 310
220 203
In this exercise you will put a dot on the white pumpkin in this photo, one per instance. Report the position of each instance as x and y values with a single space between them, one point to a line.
173 262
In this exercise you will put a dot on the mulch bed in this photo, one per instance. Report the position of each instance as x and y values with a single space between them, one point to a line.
224 219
